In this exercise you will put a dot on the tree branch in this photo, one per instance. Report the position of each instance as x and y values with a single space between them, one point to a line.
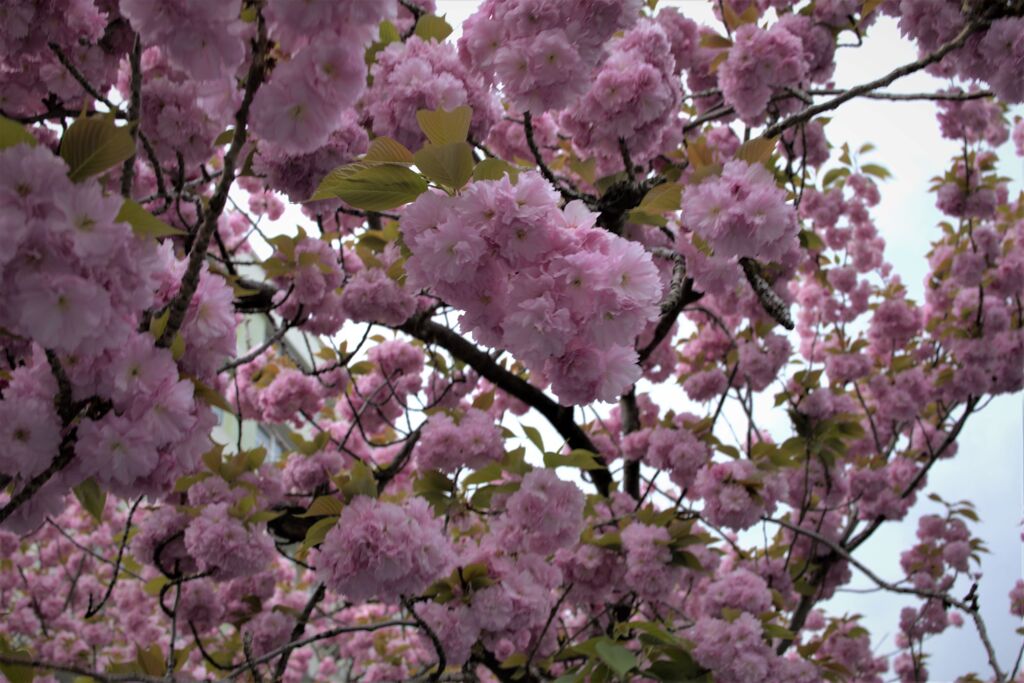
770 301
560 417
895 74
190 281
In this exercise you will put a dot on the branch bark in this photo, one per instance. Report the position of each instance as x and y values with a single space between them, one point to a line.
559 416
190 281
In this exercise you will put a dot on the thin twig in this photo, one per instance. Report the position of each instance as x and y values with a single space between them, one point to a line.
92 611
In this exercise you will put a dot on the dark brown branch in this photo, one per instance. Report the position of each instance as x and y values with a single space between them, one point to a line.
323 635
270 341
567 193
442 661
190 281
298 630
770 301
92 611
386 474
680 295
81 671
630 423
856 91
560 417
134 107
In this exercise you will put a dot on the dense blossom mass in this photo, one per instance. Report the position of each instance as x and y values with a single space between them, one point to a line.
338 344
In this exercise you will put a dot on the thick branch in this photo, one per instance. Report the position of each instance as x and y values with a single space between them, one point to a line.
770 301
680 294
559 416
630 423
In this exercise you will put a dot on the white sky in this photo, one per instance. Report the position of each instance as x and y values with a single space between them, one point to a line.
988 469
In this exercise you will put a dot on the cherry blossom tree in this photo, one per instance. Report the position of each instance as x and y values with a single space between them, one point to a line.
595 215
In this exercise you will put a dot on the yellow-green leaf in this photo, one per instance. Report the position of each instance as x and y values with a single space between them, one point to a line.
144 224
579 458
13 133
374 188
617 657
450 165
386 149
211 396
714 40
876 170
323 506
431 26
662 198
178 346
316 534
151 659
361 482
155 585
93 145
533 434
225 138
493 169
442 126
757 151
16 673
92 498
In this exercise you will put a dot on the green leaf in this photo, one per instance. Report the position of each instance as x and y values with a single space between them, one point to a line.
16 673
431 26
178 346
316 534
442 126
323 506
210 396
484 474
533 434
155 585
493 169
361 482
92 498
579 457
834 175
778 631
646 218
449 165
810 240
373 188
387 150
757 151
225 138
714 40
13 133
151 660
662 198
876 170
144 224
618 658
93 145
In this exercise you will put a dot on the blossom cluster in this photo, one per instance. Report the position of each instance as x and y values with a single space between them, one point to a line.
633 101
542 53
77 280
562 295
424 74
